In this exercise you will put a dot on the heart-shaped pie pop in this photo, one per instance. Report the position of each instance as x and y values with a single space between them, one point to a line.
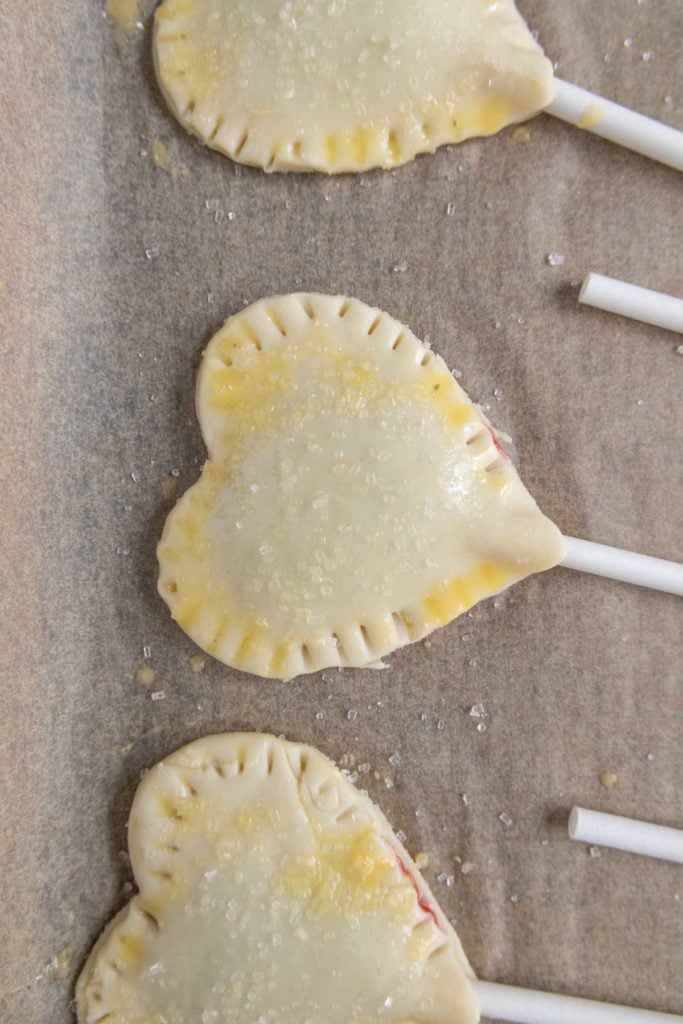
270 889
354 498
344 85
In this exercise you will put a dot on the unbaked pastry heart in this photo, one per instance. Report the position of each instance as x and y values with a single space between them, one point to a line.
354 498
345 85
270 889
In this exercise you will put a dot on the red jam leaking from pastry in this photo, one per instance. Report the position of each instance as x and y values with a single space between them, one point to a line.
499 448
422 901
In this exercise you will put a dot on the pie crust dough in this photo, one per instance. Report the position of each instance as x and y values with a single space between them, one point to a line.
270 889
345 85
354 498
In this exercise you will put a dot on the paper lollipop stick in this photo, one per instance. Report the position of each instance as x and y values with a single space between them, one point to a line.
630 300
524 1006
618 124
625 566
626 834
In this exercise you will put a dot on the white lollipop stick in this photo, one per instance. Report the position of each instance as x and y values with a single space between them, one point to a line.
626 566
618 124
630 300
524 1006
626 834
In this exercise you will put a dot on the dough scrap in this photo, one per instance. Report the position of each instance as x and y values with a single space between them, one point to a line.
345 85
354 498
270 889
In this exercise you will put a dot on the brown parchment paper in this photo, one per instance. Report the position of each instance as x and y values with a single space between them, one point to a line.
100 341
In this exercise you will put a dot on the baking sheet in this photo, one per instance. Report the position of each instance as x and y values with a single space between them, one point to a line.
117 271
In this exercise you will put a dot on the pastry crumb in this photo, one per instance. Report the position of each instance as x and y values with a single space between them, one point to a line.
608 779
197 663
125 19
467 867
521 134
58 967
160 155
162 159
145 675
124 14
421 860
125 749
168 487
